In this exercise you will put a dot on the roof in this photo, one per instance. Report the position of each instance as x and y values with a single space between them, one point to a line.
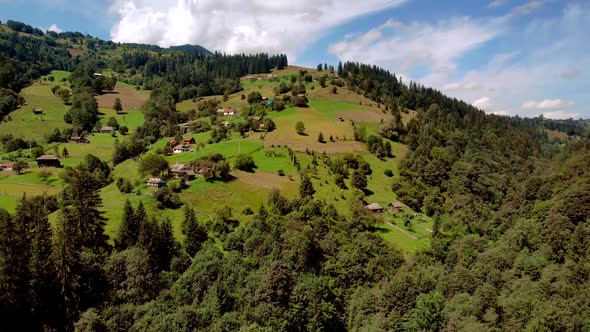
7 164
374 206
396 204
256 118
221 110
75 137
48 157
107 128
177 167
155 180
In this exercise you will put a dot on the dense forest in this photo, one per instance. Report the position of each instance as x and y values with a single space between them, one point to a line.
510 244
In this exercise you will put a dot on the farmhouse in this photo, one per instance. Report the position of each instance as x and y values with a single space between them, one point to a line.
182 171
189 140
226 111
47 160
37 111
396 207
7 166
107 130
79 140
374 207
181 148
155 183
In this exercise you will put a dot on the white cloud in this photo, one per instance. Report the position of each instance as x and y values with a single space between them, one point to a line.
236 26
496 3
409 46
482 102
548 104
561 115
54 28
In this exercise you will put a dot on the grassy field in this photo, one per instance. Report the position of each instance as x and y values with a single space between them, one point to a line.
27 125
131 99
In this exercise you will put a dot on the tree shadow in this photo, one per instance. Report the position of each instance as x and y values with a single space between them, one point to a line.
368 192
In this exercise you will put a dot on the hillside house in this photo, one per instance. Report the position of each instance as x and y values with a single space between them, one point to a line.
107 130
396 207
226 112
189 140
48 161
374 207
182 171
155 183
7 166
79 140
174 143
181 148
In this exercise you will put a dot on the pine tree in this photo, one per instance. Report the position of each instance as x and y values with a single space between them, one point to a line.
166 245
195 233
129 228
117 106
14 271
306 187
82 194
34 214
66 257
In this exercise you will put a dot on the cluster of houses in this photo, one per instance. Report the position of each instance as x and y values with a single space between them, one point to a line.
177 171
395 207
177 147
226 112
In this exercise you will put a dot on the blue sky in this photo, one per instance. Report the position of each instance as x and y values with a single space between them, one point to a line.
525 57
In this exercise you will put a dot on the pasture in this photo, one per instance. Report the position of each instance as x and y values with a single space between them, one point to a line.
27 125
131 99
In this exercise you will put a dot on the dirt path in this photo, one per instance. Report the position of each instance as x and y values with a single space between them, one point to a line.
401 230
426 229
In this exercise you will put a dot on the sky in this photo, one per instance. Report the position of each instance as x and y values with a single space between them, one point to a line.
509 57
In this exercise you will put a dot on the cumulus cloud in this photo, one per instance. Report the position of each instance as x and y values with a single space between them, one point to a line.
485 103
496 3
482 102
408 46
561 115
54 28
236 26
548 104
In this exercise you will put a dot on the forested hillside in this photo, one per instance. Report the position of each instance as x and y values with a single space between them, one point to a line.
508 249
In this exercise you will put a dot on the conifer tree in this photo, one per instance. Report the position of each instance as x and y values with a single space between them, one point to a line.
129 229
306 187
166 245
195 233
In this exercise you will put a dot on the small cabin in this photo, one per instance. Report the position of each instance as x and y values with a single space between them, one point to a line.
182 171
396 207
374 207
79 140
7 166
174 143
48 161
189 140
107 130
155 183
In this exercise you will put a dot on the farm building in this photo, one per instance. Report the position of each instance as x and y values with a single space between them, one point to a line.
174 143
189 140
181 148
79 140
396 207
37 111
226 111
155 183
374 207
107 130
48 160
182 171
7 166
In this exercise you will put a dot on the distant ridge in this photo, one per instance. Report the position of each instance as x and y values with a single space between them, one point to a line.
179 48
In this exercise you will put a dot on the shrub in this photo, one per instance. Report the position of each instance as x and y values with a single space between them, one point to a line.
167 199
245 163
388 173
281 172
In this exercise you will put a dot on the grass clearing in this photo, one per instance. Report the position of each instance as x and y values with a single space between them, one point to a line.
27 125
